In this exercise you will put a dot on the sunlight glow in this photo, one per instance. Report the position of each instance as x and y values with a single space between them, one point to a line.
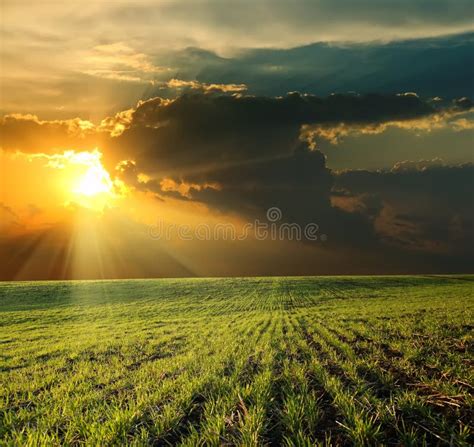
92 186
96 180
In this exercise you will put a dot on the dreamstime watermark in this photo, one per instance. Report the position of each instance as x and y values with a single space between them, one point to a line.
271 229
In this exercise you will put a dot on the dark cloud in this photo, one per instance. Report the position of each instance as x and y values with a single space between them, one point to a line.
439 66
249 146
197 132
426 205
242 154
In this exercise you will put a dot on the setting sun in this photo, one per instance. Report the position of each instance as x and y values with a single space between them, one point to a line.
95 181
90 183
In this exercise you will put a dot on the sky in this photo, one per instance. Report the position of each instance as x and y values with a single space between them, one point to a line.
208 138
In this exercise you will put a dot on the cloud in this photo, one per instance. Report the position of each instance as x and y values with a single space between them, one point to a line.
99 68
242 154
210 125
27 133
426 205
195 132
431 67
181 86
418 165
211 25
457 117
118 61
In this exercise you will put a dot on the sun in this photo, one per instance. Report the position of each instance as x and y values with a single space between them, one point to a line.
96 180
91 184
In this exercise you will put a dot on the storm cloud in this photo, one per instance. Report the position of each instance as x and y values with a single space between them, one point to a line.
243 155
197 131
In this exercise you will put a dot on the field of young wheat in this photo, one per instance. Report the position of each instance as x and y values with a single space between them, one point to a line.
244 361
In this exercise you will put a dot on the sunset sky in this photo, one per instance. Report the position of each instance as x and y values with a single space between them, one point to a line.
118 115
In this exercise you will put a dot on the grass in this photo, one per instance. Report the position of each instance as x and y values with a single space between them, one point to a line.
248 361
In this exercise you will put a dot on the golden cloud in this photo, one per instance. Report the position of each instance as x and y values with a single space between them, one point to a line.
208 88
335 133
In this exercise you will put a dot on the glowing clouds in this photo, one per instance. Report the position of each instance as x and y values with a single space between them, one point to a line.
96 180
92 186
83 179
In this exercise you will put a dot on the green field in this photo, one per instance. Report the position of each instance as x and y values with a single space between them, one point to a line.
252 361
